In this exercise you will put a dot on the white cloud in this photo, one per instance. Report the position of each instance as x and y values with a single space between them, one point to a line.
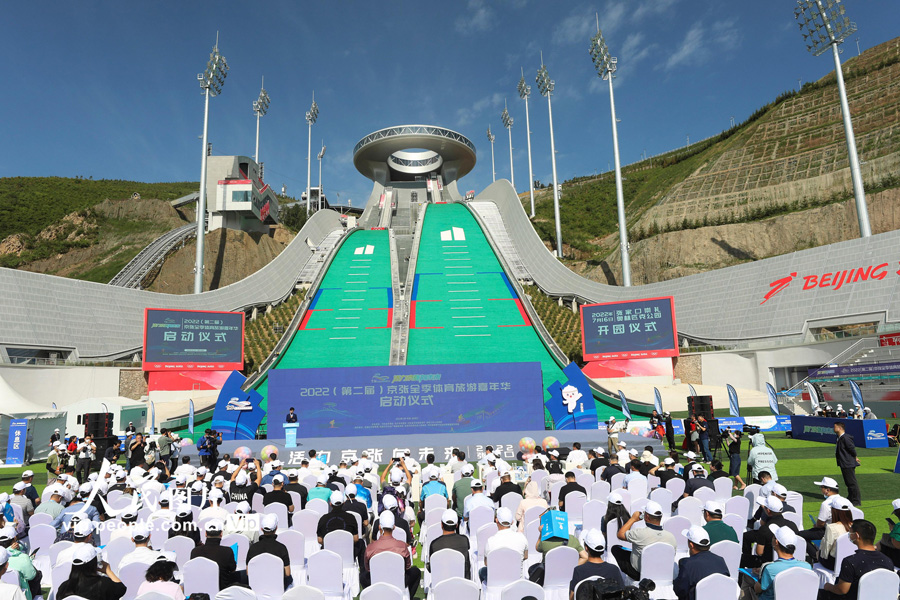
691 49
479 18
651 8
701 42
465 116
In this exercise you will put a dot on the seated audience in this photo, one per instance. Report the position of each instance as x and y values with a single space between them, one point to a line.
867 558
594 566
699 563
387 543
160 578
451 539
630 560
785 543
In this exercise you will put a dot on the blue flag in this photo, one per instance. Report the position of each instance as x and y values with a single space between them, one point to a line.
625 410
191 416
693 391
734 408
773 399
657 401
857 395
813 395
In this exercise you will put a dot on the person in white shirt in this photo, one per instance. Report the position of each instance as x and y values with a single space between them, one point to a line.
215 510
475 499
315 464
577 457
129 518
613 429
164 511
623 454
8 591
365 462
82 533
506 537
185 469
85 452
242 524
153 484
142 553
411 463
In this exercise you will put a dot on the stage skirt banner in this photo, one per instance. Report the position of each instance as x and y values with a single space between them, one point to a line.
366 401
765 424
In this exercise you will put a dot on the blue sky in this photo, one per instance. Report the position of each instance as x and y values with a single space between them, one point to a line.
109 90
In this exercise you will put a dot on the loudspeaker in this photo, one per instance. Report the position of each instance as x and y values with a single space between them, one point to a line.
715 438
98 425
102 443
701 405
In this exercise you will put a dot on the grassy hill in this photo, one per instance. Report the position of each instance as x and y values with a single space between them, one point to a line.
789 156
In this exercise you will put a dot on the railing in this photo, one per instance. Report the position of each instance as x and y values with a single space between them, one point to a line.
853 349
429 130
64 362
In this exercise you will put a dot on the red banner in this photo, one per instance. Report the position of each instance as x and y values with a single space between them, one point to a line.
889 339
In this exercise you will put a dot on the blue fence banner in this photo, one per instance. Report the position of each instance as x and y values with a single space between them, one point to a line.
866 433
873 370
857 395
657 401
813 395
773 399
411 399
238 413
625 410
572 405
897 464
191 416
734 408
15 447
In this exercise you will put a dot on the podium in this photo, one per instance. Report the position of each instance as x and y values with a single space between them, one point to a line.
290 434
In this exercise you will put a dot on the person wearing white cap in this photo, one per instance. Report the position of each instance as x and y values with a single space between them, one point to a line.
639 538
29 576
321 490
665 471
623 454
699 563
243 483
142 553
451 539
338 518
82 534
85 580
268 544
596 459
868 415
614 468
461 490
219 554
475 499
274 469
784 543
594 566
19 498
613 429
890 542
53 466
433 486
717 529
847 461
76 506
761 458
841 519
829 489
387 543
506 537
840 412
215 510
773 510
278 495
30 492
85 452
53 506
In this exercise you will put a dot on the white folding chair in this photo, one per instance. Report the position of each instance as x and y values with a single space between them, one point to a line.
484 533
303 592
200 576
11 577
739 505
797 584
182 547
616 481
58 575
585 480
878 585
383 591
504 567
663 497
575 502
56 548
433 516
157 596
704 495
399 534
478 517
844 549
691 508
40 519
296 500
717 587
265 573
794 518
325 573
538 477
638 488
116 549
652 482
532 513
132 575
584 581
599 490
318 505
736 522
307 522
446 564
389 568
511 500
658 564
277 508
731 554
243 546
554 493
341 543
592 515
751 493
41 537
675 525
676 486
522 589
435 501
559 564
724 486
295 542
455 588
532 534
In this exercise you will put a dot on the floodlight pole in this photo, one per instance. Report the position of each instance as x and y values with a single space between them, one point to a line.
508 123
491 137
311 115
546 85
836 27
524 93
211 82
260 107
606 67
320 156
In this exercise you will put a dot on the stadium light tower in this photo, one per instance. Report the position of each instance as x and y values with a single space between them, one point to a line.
826 26
546 85
211 82
260 107
606 66
524 92
320 156
491 137
508 123
311 115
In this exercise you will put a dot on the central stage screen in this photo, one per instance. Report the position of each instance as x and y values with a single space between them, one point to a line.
408 399
629 329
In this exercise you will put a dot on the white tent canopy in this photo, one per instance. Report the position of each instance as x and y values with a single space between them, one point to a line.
12 402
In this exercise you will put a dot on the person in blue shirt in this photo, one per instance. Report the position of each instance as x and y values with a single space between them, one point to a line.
701 563
78 505
362 492
784 543
434 487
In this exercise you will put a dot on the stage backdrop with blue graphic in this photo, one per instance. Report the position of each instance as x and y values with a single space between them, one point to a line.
632 329
571 404
238 413
409 399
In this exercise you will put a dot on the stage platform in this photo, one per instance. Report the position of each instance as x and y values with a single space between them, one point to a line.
382 448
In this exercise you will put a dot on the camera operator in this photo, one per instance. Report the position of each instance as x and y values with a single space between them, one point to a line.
732 437
208 447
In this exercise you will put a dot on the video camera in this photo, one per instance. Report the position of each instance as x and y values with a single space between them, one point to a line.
751 429
607 589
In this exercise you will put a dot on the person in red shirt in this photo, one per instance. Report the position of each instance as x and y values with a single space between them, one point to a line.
387 543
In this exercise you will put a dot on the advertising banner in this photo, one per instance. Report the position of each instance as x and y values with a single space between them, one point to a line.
625 410
633 329
813 395
181 340
889 339
857 395
657 401
765 424
410 399
773 398
855 371
15 447
734 409
866 434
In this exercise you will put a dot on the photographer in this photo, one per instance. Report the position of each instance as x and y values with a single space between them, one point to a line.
86 451
613 429
733 437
